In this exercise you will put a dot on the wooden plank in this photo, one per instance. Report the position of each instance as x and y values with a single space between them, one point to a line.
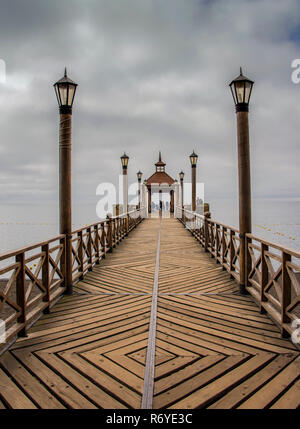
275 387
200 398
104 380
12 395
33 388
61 388
174 394
290 399
243 391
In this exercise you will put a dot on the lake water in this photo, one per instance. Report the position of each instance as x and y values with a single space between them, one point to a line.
275 220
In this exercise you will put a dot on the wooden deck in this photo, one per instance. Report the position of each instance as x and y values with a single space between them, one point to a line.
213 348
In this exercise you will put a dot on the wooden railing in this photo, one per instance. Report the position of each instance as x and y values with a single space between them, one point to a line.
221 241
272 271
32 278
273 279
91 243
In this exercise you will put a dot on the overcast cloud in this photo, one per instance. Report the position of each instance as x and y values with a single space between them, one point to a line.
153 75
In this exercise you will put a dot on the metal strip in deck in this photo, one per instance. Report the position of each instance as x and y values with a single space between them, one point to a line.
148 390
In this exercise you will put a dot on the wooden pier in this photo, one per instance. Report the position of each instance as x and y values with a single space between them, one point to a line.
156 323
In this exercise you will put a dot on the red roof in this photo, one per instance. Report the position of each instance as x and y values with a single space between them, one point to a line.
160 177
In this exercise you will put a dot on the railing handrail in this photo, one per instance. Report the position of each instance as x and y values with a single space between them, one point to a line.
104 221
24 249
209 219
14 252
280 247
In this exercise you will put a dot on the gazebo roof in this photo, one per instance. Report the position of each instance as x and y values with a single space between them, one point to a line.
160 177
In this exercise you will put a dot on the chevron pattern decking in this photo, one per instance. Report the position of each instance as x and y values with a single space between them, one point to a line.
213 347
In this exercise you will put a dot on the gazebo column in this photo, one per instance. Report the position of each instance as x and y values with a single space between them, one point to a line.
172 201
149 199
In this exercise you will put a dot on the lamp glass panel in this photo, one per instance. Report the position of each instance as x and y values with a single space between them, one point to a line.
193 160
248 87
71 93
57 95
232 87
63 90
239 86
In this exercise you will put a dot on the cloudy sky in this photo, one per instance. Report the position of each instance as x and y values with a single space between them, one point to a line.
153 75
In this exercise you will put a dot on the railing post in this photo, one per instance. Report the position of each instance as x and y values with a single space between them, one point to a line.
205 232
223 245
217 242
20 292
97 245
45 277
212 239
90 249
286 293
80 253
242 260
248 261
231 252
109 233
63 260
264 276
127 224
103 240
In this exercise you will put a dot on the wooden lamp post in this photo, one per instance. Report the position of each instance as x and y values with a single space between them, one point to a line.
181 176
241 88
193 159
139 177
124 161
65 90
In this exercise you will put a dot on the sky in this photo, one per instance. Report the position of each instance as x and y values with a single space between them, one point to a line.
153 76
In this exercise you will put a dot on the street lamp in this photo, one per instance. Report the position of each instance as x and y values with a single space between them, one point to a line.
193 159
124 161
241 89
65 90
139 176
181 176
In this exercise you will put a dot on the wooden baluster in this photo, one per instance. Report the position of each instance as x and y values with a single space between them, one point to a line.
286 293
248 262
45 277
103 240
109 233
206 233
90 249
217 242
97 244
224 233
80 254
117 230
264 276
127 224
63 261
21 295
231 252
213 239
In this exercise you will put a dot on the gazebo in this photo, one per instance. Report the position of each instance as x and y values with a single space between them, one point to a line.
160 182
